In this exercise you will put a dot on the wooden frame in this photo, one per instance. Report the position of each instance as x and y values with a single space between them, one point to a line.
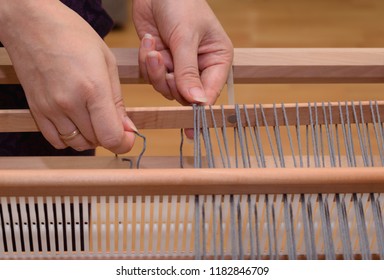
189 181
111 188
250 66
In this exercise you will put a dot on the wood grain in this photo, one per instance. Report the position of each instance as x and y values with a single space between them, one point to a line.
182 117
189 181
267 65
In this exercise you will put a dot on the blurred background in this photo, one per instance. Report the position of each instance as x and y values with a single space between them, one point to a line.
266 24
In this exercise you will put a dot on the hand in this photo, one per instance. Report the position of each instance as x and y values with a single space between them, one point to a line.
184 52
68 73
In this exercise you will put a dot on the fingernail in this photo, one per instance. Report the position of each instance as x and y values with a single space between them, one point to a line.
189 140
153 59
198 94
147 41
130 124
169 76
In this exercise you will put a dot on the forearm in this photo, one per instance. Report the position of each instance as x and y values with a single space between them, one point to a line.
13 14
23 19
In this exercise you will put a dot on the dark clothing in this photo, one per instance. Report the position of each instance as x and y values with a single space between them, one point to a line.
12 96
93 13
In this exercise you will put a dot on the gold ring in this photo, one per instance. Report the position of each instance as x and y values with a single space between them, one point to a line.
69 136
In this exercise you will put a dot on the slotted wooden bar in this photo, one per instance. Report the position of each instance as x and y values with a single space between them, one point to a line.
182 117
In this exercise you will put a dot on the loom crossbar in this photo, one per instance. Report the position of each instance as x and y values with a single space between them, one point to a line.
182 117
295 65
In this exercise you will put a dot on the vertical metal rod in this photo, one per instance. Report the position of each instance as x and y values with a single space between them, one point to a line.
328 132
298 135
279 146
197 228
361 228
378 220
253 138
251 233
239 231
307 238
344 228
350 136
214 228
314 137
225 137
217 136
268 135
258 138
361 139
326 228
206 138
258 250
203 230
242 142
289 135
233 227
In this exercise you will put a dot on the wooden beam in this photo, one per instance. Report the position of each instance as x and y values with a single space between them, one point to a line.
309 65
190 181
265 65
182 117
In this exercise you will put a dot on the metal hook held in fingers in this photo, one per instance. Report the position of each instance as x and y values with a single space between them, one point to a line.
143 150
140 155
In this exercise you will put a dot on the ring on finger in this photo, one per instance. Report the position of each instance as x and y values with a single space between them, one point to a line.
69 136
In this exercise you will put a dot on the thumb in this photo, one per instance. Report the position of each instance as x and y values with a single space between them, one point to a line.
186 71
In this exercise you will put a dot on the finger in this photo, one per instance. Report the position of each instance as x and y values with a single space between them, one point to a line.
189 133
67 118
64 126
127 126
147 44
170 78
49 131
157 73
213 79
73 136
57 129
77 119
168 60
187 71
172 86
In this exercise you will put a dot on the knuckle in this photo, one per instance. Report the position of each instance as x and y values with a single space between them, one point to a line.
87 87
64 102
118 101
189 73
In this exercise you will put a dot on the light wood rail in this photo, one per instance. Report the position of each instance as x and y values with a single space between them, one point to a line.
182 117
266 65
146 182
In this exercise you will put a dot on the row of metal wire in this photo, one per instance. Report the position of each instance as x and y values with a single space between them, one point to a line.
350 141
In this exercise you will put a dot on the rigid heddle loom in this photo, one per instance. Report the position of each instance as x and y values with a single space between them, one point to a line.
266 181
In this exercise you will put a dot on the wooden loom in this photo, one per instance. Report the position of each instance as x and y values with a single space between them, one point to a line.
328 206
